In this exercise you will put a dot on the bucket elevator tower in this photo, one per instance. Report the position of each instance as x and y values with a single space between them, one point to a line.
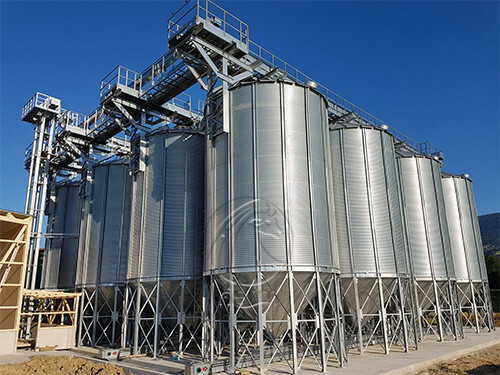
41 111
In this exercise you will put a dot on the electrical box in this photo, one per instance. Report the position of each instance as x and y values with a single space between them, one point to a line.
197 369
109 354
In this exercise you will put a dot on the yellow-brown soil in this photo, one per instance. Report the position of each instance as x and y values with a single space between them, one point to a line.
496 318
484 362
60 365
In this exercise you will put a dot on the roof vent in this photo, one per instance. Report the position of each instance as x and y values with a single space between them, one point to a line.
311 84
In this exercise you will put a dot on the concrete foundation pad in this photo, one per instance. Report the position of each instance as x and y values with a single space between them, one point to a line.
428 354
373 362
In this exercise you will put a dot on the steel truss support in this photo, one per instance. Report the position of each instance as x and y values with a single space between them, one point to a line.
101 316
36 194
164 316
378 311
437 309
265 317
475 305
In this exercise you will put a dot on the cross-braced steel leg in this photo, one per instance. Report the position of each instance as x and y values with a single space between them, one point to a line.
101 316
87 317
277 316
475 305
165 315
378 311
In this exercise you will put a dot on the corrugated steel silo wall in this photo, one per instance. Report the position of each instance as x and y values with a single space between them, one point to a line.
217 233
54 245
69 254
86 187
172 192
477 232
465 238
114 253
62 249
367 202
278 183
108 233
136 219
427 227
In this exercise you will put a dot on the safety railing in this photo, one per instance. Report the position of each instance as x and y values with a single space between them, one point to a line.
120 76
334 99
430 149
73 119
182 101
43 101
159 71
95 120
180 20
207 10
29 106
169 65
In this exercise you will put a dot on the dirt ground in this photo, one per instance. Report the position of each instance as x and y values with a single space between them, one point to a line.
496 318
484 362
59 365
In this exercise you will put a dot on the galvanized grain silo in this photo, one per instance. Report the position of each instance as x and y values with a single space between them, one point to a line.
166 253
271 257
373 260
429 245
60 263
467 249
104 252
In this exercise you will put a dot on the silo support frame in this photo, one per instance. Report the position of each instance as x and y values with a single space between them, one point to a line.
489 306
164 315
436 309
475 305
378 311
101 316
260 341
457 315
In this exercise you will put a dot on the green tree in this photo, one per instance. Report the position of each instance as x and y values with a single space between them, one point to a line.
493 269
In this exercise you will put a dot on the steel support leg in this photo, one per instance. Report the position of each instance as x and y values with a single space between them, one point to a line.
293 322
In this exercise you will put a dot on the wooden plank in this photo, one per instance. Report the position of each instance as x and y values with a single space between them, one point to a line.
40 293
14 243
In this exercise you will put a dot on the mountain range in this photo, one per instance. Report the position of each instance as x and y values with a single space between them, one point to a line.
490 233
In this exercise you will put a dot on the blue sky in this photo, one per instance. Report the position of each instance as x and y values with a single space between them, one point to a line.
429 69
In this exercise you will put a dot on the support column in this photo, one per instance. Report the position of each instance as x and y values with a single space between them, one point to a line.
137 321
359 315
383 314
403 317
322 345
293 322
260 323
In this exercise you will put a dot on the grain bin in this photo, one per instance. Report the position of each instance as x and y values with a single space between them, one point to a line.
270 243
166 253
467 249
429 245
104 251
371 240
